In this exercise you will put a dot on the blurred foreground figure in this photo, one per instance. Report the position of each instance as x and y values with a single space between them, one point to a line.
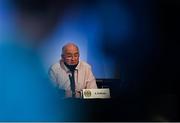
25 91
147 62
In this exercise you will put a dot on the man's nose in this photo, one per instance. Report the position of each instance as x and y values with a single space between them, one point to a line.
73 58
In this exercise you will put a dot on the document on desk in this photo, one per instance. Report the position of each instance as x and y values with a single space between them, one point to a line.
103 93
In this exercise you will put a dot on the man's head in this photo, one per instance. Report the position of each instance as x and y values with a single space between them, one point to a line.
70 54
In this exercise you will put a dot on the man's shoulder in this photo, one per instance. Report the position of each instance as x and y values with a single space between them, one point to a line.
85 64
55 66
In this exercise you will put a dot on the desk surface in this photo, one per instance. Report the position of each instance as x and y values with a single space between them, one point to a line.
105 110
121 109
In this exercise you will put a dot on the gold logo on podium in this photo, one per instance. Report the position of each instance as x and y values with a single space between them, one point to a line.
87 93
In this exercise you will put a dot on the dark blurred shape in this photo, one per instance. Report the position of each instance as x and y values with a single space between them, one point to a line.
38 18
148 63
113 84
26 93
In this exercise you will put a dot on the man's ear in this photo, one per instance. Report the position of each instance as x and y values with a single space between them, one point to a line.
62 56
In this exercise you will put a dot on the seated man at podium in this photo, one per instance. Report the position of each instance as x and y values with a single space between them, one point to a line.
71 74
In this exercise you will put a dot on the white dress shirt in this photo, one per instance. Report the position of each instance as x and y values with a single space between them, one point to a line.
83 76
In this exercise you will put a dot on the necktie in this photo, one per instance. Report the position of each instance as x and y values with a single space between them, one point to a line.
72 83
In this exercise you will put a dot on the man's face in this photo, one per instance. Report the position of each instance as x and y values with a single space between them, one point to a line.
71 55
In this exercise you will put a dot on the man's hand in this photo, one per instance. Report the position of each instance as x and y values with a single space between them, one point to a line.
68 94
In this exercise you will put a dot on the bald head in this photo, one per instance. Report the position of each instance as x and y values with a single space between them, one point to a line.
70 54
69 46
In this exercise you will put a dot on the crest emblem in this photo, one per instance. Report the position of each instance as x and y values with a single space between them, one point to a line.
87 93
